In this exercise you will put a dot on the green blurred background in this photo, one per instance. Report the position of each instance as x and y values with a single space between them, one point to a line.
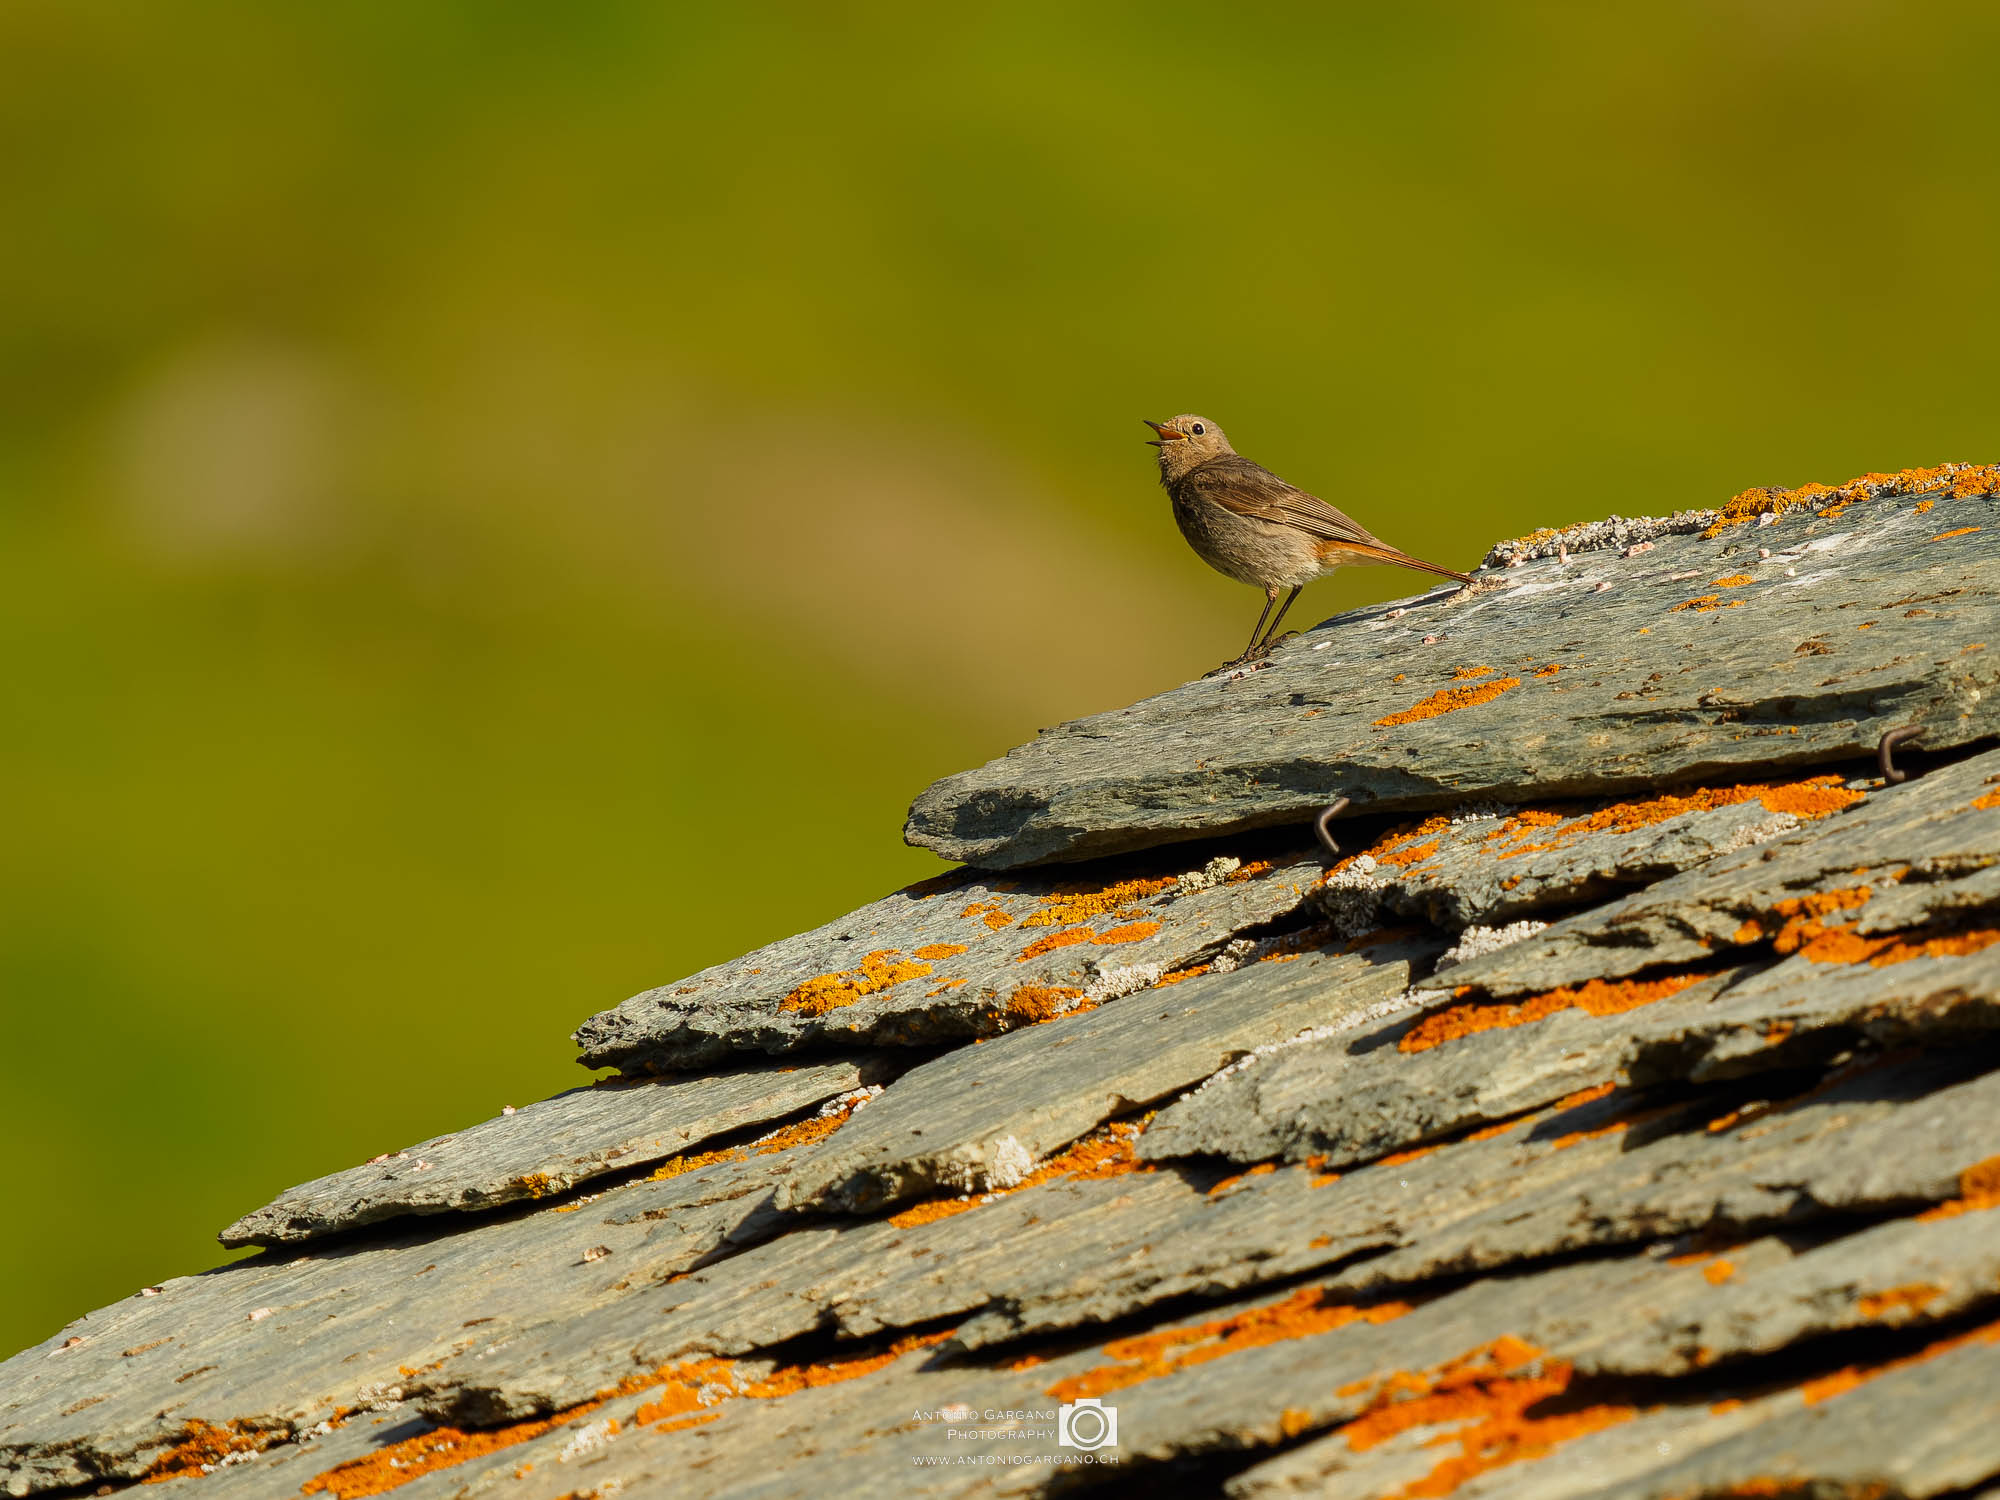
502 505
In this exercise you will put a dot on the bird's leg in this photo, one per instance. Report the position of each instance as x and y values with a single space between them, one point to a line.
1271 636
1270 598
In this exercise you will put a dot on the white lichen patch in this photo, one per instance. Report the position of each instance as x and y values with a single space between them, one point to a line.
1116 983
1010 1163
1775 826
588 1439
1209 876
1351 897
1477 942
1596 536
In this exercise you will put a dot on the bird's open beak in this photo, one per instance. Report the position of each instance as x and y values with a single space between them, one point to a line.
1168 433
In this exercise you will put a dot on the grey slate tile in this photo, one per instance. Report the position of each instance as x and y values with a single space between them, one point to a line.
952 959
1668 671
547 1148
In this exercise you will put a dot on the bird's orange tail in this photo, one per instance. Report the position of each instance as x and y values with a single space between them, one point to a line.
1376 552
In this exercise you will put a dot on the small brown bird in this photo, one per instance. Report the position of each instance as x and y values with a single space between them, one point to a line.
1245 521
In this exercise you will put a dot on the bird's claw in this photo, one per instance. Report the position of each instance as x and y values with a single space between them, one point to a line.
1249 660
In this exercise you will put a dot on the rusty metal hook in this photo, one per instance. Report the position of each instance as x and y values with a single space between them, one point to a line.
1339 806
1885 748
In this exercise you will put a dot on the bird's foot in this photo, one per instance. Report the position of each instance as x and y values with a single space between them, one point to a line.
1249 661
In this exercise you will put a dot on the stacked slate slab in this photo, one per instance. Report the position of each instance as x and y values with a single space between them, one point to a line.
1613 1111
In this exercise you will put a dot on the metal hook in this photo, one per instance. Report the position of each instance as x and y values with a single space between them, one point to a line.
1339 806
1886 746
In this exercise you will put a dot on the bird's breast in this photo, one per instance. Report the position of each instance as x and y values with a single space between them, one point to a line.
1263 553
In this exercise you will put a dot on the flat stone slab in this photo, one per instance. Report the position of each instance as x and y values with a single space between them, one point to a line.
1927 1427
1922 852
1428 1385
1422 1077
1496 866
1918 1429
546 1148
1243 1374
981 1117
1685 1194
952 959
1591 1176
1602 675
1103 1248
286 1342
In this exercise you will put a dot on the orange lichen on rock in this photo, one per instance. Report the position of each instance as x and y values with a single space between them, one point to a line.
688 1395
1262 1169
1412 854
801 1133
1733 581
1450 700
1840 1381
1488 1396
1107 1151
1803 931
1549 671
1705 603
792 1378
1957 480
692 1161
1597 997
1034 1003
1978 1189
1717 1272
395 1465
1988 801
1388 847
1130 932
827 992
1899 1302
1587 1096
1080 903
804 1133
1175 976
1404 1158
1961 531
933 952
990 912
1578 1137
1842 945
203 1445
1471 674
1307 1312
1069 937
1813 797
1799 916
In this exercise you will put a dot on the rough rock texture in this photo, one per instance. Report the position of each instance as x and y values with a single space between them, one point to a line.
1905 856
1642 1146
546 1148
951 959
1502 865
980 1118
1602 674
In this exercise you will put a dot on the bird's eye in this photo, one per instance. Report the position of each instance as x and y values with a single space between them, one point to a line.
1199 429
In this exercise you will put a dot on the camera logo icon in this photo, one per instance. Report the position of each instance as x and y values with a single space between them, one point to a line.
1087 1424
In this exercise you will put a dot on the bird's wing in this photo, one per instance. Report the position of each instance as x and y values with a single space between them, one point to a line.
1236 484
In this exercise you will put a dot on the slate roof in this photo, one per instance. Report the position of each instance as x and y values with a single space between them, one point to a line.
1618 1114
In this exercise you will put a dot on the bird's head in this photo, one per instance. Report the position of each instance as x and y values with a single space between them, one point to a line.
1186 441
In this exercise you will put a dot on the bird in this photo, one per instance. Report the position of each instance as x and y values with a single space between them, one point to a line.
1246 522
